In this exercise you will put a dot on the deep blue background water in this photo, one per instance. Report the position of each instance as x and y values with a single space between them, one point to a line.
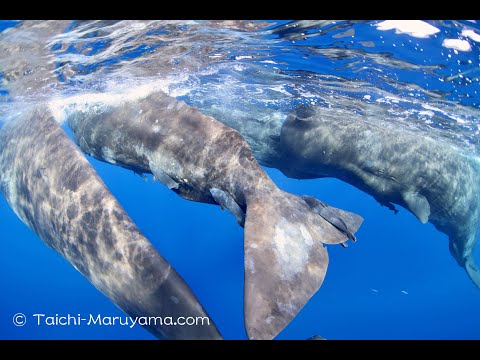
394 253
397 282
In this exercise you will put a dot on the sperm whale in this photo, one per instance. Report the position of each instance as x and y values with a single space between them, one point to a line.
203 160
53 189
434 180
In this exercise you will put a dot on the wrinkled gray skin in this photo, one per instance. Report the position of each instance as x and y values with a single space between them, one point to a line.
53 189
396 165
203 160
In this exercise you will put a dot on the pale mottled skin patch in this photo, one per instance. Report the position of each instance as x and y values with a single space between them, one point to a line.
55 191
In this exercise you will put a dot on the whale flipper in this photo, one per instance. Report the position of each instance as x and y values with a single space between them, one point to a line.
473 271
418 205
285 260
226 201
163 177
342 220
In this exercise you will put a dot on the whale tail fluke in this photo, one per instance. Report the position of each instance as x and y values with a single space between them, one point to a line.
285 257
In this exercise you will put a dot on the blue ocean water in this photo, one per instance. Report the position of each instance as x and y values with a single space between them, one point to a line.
398 281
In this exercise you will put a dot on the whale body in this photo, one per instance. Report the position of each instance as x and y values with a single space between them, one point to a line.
431 178
203 160
53 189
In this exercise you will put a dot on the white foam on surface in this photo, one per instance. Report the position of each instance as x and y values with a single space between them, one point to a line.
415 28
243 57
457 44
280 89
426 113
388 100
449 115
122 93
471 34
